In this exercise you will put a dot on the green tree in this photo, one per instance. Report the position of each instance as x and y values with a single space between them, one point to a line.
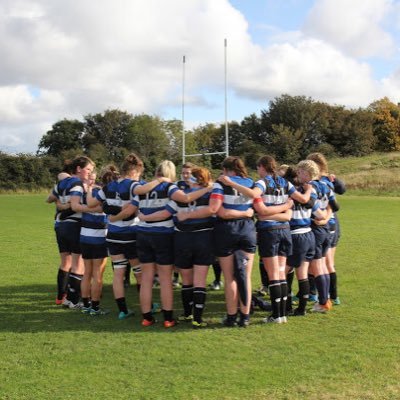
355 137
64 135
287 144
147 136
386 124
297 117
110 129
295 112
210 138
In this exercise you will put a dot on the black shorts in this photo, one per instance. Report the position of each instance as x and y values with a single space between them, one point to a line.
68 237
303 249
232 235
321 234
193 248
127 249
155 248
93 251
274 242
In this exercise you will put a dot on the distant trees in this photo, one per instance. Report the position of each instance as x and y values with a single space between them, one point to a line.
108 129
289 128
111 135
63 136
386 124
27 172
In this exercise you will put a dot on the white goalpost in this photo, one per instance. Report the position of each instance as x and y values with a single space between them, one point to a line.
226 152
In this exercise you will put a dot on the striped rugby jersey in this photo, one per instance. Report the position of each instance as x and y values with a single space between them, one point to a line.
230 197
302 213
114 196
191 225
153 201
275 191
63 190
94 225
331 186
324 193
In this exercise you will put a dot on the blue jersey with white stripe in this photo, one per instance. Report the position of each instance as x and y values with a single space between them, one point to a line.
327 181
63 190
230 197
301 217
182 185
195 224
275 191
153 201
94 225
324 193
114 196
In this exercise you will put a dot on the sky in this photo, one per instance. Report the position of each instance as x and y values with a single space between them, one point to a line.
70 58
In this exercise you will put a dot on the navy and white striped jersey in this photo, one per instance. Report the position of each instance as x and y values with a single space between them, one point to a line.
324 193
153 201
332 186
114 196
94 225
302 213
275 191
191 225
63 190
230 197
182 185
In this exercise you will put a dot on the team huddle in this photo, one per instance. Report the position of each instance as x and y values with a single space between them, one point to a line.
155 228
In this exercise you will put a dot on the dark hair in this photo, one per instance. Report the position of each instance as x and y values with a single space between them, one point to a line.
108 174
188 165
67 167
236 165
202 175
269 163
132 162
291 175
82 162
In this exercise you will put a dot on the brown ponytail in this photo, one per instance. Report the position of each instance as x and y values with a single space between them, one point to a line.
236 165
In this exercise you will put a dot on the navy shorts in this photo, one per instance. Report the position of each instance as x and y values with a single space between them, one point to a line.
303 249
155 248
274 242
127 249
93 251
335 234
232 235
322 241
68 237
193 248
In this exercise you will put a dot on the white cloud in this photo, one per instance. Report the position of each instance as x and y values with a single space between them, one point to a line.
313 68
391 86
355 27
64 59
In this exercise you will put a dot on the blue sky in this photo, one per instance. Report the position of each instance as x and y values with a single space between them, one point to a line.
67 59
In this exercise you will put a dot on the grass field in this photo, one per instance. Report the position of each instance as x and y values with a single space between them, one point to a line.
376 174
50 353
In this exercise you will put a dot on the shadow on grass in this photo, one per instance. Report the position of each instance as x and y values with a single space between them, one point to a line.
32 309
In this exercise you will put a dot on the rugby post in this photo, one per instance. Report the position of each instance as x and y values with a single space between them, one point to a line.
226 152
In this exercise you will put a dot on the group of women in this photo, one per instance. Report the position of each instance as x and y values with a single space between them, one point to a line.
156 226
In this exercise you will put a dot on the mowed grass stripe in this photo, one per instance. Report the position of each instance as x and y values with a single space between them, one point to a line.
47 352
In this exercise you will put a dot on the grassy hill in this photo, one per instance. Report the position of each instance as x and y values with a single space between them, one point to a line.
377 174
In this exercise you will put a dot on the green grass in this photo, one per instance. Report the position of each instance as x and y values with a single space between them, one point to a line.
377 174
352 353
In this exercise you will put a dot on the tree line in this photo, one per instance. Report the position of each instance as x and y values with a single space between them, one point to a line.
289 129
